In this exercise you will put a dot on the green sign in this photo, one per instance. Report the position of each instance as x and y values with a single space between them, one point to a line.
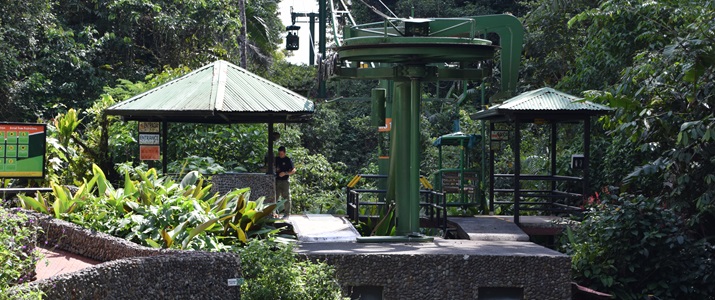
22 150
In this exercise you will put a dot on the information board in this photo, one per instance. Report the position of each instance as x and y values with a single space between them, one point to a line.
22 150
149 139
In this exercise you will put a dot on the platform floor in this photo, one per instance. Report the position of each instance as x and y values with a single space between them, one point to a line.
502 228
56 262
438 246
488 228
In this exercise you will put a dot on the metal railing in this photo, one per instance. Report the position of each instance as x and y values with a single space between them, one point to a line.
433 203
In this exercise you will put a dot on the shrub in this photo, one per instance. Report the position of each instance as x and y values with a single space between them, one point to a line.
17 255
159 212
273 271
633 246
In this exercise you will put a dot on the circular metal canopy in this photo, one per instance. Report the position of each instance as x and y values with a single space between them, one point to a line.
416 49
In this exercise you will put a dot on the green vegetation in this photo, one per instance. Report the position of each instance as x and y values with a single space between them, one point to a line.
288 278
17 233
158 212
653 62
633 246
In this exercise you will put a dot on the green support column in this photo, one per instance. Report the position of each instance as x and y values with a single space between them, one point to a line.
393 112
413 212
401 155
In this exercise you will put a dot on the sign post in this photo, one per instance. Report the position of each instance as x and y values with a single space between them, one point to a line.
149 141
22 150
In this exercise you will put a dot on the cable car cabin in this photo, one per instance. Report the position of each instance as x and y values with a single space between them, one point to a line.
292 40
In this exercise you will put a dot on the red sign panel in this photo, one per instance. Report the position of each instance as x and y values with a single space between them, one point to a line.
149 152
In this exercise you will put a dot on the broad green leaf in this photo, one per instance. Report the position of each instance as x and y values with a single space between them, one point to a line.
102 183
190 179
152 243
129 188
199 229
31 203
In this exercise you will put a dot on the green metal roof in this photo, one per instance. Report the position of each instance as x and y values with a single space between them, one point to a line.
543 103
220 92
456 139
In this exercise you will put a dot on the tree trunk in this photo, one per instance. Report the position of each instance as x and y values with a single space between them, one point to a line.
244 36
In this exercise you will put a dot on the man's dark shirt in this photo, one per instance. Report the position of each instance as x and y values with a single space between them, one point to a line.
283 165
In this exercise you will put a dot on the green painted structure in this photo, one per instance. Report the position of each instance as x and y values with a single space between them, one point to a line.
463 180
407 52
542 106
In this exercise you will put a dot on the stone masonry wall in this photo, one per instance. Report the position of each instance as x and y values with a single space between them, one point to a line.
262 185
452 276
133 271
188 275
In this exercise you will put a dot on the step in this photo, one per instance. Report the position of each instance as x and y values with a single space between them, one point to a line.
313 228
488 228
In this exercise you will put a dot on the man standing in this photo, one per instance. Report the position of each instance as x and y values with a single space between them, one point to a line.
284 168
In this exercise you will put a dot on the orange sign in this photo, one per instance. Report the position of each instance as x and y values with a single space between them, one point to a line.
387 127
149 152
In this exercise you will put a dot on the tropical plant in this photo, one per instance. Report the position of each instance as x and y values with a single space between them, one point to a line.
159 212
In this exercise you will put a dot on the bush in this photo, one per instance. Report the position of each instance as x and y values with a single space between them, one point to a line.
17 255
633 246
159 212
273 271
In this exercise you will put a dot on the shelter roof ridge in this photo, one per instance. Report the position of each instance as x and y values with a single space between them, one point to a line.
544 102
219 91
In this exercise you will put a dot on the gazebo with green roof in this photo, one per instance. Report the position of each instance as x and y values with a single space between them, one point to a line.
541 106
217 93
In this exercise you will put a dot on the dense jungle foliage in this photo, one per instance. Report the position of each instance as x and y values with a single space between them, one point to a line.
653 62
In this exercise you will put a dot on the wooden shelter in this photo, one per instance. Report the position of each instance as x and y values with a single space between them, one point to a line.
217 93
542 106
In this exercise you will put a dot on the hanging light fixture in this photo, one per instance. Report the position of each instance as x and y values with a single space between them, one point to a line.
292 40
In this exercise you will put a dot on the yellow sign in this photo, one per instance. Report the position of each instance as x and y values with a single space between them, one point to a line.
152 127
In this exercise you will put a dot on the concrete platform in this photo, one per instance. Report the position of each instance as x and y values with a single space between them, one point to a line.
447 269
488 228
437 247
313 228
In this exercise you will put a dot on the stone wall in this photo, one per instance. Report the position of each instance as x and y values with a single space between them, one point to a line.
188 275
132 271
262 185
447 269
99 246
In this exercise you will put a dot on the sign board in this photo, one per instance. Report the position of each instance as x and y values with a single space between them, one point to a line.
149 152
148 139
22 150
150 127
495 146
499 135
387 127
577 161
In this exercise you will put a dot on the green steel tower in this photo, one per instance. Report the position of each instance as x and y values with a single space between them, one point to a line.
410 52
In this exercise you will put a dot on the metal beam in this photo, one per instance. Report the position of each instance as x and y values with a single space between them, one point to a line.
395 73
